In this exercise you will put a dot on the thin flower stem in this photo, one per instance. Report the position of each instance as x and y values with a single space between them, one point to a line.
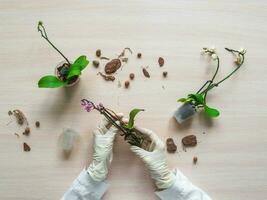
42 30
203 86
229 75
111 119
128 135
211 82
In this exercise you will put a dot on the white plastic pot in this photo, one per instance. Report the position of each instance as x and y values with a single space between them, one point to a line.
184 112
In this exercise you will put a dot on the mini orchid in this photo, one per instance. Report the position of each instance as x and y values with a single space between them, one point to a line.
130 134
198 99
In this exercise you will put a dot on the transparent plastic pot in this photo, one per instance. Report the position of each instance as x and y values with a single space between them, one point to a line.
184 112
74 80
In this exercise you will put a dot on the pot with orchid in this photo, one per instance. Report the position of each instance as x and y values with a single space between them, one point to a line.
195 102
67 73
132 135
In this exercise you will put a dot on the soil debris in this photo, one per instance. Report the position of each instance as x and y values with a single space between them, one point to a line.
98 53
126 84
16 135
122 54
107 77
195 160
112 66
161 61
189 141
104 58
26 147
27 131
119 84
171 146
145 72
96 63
10 112
37 124
139 55
131 76
165 74
124 60
20 117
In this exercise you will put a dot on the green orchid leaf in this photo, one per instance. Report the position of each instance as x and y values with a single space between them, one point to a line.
182 100
198 98
211 112
82 62
50 82
74 70
132 115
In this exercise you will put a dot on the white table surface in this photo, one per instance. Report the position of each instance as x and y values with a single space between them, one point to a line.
232 154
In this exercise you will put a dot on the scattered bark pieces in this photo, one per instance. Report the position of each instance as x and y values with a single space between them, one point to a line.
112 66
131 76
126 84
98 53
119 84
107 77
171 146
27 131
124 60
104 58
139 55
161 61
20 117
195 160
37 124
16 135
165 74
26 147
189 141
10 112
123 52
96 63
145 72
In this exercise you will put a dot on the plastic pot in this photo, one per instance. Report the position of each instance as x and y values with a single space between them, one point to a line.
184 112
62 77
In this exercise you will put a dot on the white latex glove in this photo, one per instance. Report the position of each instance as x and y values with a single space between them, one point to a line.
156 161
102 157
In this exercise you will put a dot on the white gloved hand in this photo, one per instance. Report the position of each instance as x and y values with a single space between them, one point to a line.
156 161
102 157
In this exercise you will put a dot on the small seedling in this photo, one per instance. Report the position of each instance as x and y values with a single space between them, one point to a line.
198 100
67 73
131 135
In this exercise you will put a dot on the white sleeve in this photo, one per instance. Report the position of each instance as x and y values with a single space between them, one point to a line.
85 188
182 189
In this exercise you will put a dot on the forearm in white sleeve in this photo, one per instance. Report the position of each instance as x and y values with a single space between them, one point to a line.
182 189
85 188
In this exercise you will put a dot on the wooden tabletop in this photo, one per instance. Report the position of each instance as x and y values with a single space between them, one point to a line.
231 154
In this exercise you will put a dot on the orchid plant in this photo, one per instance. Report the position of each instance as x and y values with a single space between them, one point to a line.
131 135
198 100
67 73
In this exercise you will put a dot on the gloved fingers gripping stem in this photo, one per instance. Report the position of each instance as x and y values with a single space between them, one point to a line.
106 127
